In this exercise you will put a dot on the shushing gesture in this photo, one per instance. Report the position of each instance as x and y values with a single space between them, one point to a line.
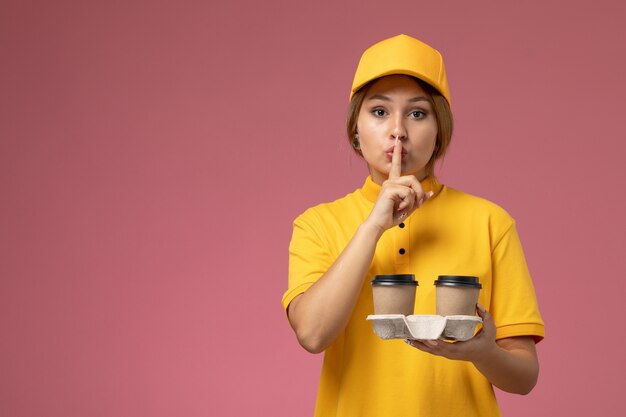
399 197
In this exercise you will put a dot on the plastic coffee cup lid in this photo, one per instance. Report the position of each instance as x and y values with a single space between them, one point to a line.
458 281
395 279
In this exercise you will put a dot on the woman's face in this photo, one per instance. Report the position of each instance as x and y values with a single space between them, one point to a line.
396 106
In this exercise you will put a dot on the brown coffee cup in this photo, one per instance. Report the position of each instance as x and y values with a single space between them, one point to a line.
457 295
394 294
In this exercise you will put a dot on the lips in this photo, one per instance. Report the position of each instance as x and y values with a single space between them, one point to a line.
389 152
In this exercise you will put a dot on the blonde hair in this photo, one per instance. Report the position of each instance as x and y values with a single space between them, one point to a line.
441 108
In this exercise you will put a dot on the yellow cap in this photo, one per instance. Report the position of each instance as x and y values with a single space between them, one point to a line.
402 54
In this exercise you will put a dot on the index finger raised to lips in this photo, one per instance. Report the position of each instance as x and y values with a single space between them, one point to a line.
396 161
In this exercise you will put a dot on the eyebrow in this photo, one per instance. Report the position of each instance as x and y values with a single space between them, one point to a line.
411 100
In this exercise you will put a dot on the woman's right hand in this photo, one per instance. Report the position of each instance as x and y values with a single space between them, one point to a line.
399 197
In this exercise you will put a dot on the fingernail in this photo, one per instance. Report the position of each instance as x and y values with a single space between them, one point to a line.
430 194
432 342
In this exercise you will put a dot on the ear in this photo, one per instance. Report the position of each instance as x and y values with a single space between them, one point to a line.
355 142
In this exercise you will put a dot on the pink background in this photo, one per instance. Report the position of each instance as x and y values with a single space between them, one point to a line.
153 155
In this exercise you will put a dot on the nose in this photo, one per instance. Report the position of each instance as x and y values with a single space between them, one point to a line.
397 129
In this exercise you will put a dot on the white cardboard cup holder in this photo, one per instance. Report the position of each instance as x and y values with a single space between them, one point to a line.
424 326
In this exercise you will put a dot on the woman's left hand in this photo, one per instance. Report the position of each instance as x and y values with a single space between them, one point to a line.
510 364
478 347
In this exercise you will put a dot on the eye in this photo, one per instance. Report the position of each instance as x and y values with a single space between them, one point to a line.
418 114
379 112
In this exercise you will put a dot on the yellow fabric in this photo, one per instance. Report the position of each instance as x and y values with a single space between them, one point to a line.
402 54
452 234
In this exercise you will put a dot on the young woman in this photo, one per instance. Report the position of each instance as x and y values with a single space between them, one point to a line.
404 221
